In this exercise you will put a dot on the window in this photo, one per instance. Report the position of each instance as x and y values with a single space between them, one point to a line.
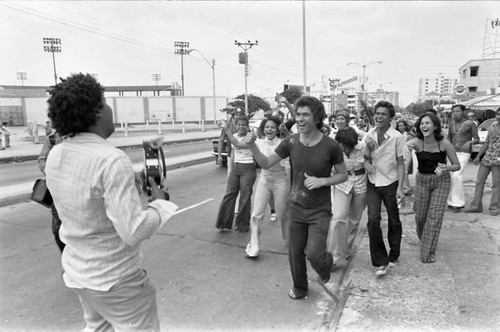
473 89
473 71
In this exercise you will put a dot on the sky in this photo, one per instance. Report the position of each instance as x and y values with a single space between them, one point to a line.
126 42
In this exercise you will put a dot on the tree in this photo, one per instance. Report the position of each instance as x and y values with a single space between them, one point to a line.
255 103
292 95
419 108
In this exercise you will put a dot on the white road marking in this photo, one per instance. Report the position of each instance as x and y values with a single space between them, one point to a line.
194 205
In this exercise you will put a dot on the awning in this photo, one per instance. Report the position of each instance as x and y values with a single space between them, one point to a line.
484 102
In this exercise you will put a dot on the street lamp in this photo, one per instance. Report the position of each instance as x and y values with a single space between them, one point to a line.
244 60
364 70
182 48
21 76
212 65
52 45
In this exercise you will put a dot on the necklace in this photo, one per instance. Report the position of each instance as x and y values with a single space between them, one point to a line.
455 127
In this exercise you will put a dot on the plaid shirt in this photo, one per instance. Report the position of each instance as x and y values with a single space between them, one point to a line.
354 162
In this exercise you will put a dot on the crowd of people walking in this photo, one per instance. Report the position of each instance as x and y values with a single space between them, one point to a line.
363 165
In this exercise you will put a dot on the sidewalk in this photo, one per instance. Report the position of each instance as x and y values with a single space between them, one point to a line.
24 149
460 292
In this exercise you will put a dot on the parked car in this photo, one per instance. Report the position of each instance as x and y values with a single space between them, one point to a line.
482 131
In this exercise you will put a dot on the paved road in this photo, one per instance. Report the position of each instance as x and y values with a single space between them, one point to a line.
203 280
27 171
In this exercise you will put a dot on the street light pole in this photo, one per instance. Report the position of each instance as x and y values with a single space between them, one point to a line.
364 76
21 76
52 45
212 65
244 60
182 48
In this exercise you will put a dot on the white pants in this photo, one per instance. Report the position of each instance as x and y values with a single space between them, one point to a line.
457 196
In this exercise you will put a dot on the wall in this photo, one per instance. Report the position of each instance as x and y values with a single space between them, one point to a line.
129 109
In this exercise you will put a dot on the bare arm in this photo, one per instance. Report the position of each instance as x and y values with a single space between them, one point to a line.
401 174
234 141
289 106
452 156
263 160
312 182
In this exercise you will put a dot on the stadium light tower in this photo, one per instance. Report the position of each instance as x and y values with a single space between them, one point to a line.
182 48
52 45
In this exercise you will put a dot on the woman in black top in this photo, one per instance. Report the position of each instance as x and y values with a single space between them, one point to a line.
432 182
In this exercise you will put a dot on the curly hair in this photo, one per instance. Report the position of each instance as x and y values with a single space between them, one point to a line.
403 121
438 132
73 104
272 118
316 106
388 106
242 118
347 136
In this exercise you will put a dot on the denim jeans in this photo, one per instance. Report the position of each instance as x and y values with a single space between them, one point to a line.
457 195
308 233
482 175
240 180
274 184
347 211
375 197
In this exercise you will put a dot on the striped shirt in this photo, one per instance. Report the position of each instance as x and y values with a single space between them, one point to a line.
93 187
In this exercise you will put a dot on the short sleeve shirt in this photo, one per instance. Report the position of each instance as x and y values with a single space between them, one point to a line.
317 161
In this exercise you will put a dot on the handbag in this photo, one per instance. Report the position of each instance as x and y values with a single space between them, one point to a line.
41 193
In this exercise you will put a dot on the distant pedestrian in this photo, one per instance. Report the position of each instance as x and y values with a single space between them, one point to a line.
403 127
385 168
6 135
488 160
240 181
432 182
312 156
48 129
1 139
462 134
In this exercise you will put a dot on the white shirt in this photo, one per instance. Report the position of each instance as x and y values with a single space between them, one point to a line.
242 155
103 222
267 147
384 156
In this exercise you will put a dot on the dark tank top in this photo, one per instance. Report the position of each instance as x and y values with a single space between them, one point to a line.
428 161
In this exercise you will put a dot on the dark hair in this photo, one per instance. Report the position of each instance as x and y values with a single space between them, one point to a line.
462 107
272 118
5 123
386 105
438 133
347 136
241 118
316 106
330 117
345 115
73 104
431 110
403 121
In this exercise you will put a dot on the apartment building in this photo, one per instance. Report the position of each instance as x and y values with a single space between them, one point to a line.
438 84
481 77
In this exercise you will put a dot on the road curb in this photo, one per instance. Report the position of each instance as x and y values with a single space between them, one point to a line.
19 159
26 196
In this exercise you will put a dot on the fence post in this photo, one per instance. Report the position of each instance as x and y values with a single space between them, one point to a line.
159 126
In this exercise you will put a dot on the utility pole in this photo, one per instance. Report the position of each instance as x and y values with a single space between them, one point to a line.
333 84
52 45
243 59
304 73
182 48
156 78
212 65
21 76
364 77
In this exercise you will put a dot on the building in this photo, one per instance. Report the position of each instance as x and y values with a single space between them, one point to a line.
480 77
381 94
440 85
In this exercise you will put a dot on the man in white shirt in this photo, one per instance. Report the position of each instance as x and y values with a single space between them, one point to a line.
93 187
385 168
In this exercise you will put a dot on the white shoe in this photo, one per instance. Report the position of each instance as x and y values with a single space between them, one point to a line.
381 270
274 217
251 252
393 264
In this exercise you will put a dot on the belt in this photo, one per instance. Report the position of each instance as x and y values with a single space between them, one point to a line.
356 172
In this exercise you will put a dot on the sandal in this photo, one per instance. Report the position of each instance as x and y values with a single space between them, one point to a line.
295 296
